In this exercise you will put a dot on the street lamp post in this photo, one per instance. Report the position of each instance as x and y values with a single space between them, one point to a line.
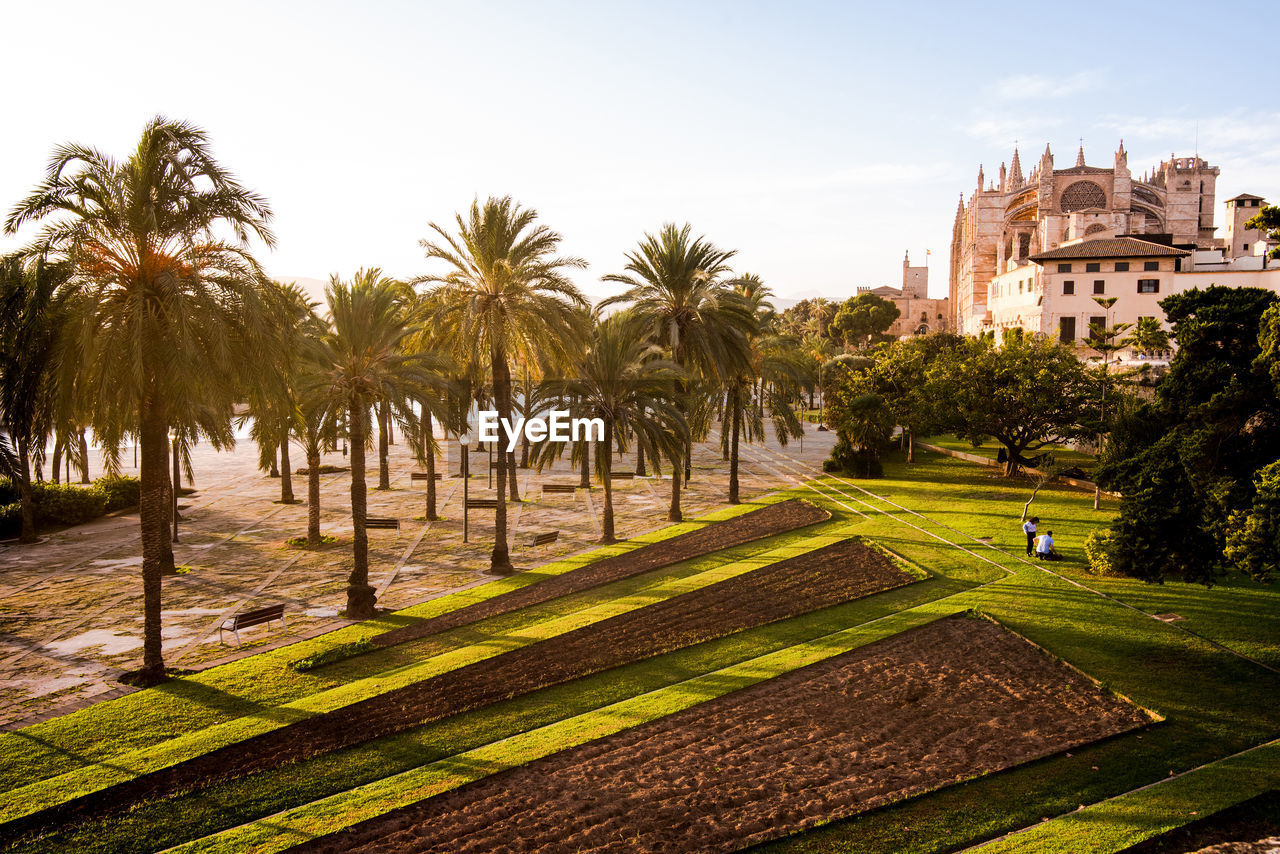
173 442
466 480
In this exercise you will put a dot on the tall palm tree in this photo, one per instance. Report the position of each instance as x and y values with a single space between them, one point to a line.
163 296
621 382
32 309
364 362
272 387
775 363
506 294
677 289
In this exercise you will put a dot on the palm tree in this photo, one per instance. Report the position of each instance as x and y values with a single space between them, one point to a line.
272 386
163 298
506 295
774 362
620 381
32 308
363 362
676 288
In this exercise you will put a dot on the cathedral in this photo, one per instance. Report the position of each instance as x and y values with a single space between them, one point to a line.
1009 221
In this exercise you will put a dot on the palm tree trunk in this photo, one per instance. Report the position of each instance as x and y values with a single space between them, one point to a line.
584 482
641 471
313 495
57 457
674 514
428 443
384 469
28 533
360 595
911 447
286 473
735 403
605 459
511 471
84 457
726 419
500 561
153 515
275 470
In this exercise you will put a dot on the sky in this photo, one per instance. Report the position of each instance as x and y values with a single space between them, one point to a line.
820 140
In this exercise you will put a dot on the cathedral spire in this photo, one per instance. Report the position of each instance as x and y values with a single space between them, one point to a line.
1080 155
1015 170
980 179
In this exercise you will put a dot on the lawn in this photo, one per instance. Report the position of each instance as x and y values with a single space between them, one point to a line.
1062 454
955 521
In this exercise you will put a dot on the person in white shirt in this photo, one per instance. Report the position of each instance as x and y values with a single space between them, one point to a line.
1044 547
1029 528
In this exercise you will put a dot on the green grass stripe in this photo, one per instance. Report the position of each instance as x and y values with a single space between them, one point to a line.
333 813
256 684
85 779
1128 819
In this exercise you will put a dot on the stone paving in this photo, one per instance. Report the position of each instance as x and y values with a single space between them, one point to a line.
70 606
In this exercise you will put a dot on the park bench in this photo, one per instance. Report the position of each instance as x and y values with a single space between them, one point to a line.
622 475
482 504
546 538
559 487
385 522
421 475
250 618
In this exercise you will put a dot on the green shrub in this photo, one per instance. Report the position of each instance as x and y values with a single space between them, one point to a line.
121 491
1097 548
336 653
8 491
10 520
64 504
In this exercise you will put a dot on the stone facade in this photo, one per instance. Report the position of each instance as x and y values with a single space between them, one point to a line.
917 313
1006 222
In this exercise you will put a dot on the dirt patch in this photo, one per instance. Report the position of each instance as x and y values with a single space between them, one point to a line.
1246 828
818 579
920 710
774 519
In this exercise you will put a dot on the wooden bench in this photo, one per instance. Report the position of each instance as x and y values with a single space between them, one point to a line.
385 522
421 475
246 619
482 504
546 538
562 488
622 475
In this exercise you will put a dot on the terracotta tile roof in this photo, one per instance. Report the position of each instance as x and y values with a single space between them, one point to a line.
1111 247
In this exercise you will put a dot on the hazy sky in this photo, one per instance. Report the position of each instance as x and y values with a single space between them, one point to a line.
821 140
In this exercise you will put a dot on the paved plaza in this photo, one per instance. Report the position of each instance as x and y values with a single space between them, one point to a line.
71 605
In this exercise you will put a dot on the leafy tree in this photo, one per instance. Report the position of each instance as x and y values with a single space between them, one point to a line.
505 295
161 298
677 291
900 375
863 424
1186 462
1025 394
862 319
1253 538
1267 220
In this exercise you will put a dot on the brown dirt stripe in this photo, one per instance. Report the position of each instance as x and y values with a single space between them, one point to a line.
915 712
818 579
774 519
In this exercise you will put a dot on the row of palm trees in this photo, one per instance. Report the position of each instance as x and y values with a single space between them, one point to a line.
140 312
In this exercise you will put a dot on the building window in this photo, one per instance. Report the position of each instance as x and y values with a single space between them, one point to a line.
1150 265
1148 286
1093 268
1099 286
1122 266
1019 285
1245 246
1064 268
1068 288
1066 329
